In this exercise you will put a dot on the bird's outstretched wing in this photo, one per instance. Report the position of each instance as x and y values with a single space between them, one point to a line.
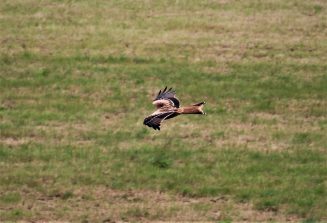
169 95
155 120
167 105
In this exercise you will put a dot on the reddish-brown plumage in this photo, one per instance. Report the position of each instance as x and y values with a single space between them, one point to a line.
168 107
193 109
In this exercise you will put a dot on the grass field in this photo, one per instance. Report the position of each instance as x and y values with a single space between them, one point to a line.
78 77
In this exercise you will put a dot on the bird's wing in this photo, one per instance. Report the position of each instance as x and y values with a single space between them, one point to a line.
164 105
169 95
155 120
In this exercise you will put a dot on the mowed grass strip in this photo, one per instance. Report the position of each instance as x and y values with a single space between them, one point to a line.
75 90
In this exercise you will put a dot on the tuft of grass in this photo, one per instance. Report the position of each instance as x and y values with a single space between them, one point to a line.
11 198
305 138
160 160
16 214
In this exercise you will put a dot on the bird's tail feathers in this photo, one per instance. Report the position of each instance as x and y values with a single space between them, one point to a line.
193 109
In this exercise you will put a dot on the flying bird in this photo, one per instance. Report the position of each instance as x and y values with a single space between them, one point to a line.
168 106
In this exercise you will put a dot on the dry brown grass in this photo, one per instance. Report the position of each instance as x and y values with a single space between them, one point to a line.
101 204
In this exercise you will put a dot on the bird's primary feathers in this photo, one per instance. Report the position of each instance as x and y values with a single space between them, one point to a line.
168 106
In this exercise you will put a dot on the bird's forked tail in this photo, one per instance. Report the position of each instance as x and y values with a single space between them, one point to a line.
193 109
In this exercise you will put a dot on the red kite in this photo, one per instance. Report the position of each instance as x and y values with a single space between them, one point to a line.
168 107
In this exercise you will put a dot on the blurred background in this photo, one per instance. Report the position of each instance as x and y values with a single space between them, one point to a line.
78 77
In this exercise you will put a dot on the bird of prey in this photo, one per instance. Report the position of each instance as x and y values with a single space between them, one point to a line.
168 106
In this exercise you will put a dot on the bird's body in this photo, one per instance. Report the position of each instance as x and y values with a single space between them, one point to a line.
168 106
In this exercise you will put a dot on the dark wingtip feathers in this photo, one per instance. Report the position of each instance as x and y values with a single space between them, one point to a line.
156 127
146 122
165 91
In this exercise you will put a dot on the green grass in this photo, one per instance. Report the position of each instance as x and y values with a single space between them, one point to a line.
11 198
78 77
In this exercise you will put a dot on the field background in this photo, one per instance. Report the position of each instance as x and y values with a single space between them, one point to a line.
78 77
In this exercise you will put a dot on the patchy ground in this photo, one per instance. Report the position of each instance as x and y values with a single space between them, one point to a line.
102 204
77 78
